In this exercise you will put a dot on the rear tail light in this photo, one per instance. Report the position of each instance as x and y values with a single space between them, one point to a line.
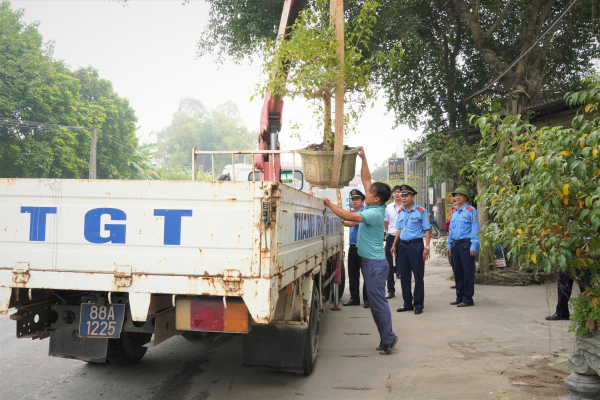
212 315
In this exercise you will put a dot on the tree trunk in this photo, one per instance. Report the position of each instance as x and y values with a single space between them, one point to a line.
328 138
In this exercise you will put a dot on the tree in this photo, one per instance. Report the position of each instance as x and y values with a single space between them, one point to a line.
35 87
193 125
550 219
305 63
115 119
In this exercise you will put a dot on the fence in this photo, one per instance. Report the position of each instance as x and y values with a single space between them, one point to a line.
234 153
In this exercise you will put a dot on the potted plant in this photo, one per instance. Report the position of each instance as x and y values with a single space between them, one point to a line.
306 63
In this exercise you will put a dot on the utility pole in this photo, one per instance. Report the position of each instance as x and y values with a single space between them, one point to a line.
93 154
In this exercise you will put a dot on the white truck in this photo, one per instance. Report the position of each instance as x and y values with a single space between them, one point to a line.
107 268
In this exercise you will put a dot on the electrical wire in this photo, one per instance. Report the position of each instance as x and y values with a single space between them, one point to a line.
531 46
32 124
42 125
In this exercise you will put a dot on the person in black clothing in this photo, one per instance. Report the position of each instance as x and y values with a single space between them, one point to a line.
565 289
354 260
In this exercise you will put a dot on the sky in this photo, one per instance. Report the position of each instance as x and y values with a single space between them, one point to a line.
147 49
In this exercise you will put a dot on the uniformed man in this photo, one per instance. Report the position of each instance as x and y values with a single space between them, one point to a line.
463 245
391 215
374 264
354 260
412 222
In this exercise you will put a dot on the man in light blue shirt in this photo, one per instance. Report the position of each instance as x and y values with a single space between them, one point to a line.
412 222
463 245
370 247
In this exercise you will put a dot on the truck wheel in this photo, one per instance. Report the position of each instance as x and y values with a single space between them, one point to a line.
128 349
311 347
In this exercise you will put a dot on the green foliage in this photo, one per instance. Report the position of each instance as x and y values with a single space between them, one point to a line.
304 63
193 125
442 63
447 156
544 194
35 87
236 28
585 309
439 247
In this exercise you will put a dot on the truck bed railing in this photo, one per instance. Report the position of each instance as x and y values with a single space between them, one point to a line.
212 154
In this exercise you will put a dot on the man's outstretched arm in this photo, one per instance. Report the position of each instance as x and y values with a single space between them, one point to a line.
365 174
343 214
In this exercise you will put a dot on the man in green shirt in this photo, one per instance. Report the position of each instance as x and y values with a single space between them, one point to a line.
370 249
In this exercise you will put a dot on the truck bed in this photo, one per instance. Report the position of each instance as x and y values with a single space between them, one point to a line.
240 239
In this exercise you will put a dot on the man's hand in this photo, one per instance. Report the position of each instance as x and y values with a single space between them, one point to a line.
449 252
472 253
326 200
425 254
361 154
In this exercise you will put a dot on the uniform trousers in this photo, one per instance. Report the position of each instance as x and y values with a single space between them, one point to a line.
464 272
391 279
565 288
410 260
375 273
354 268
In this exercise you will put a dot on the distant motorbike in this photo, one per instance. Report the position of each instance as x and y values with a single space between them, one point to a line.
435 229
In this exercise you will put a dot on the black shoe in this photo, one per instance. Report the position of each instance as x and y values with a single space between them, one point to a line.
352 303
463 304
403 309
366 305
452 287
557 317
390 295
418 311
455 302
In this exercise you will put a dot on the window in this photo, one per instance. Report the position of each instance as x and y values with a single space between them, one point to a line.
286 178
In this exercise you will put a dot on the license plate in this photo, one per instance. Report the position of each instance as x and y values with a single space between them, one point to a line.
101 321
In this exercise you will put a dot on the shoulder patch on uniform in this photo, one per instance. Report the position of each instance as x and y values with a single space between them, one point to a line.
469 208
454 209
401 208
421 209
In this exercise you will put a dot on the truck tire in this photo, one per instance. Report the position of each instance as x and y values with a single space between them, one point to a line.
311 346
128 349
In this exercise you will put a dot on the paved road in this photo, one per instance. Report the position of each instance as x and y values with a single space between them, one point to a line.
502 347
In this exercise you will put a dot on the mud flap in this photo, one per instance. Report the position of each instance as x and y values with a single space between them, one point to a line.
66 343
276 347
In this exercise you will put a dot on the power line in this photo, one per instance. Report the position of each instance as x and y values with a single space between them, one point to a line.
531 46
33 124
37 125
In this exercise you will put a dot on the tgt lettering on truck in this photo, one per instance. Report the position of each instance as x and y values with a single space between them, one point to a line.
92 225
